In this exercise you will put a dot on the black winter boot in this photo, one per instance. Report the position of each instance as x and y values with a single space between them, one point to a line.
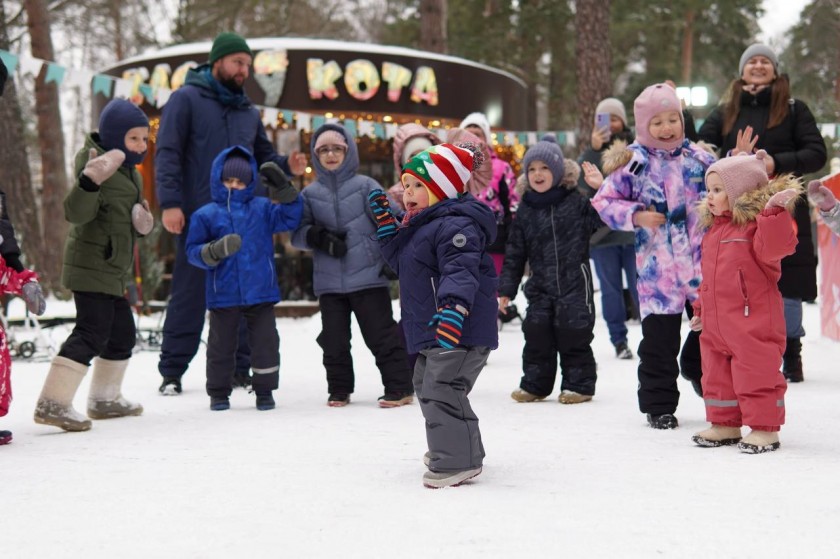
792 360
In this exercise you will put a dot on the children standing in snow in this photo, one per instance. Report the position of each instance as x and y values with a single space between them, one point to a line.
653 188
448 286
551 233
107 212
350 274
828 205
740 309
21 282
231 238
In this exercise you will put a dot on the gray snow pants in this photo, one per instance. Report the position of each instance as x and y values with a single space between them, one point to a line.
442 380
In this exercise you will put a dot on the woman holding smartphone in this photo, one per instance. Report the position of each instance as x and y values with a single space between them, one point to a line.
759 113
612 252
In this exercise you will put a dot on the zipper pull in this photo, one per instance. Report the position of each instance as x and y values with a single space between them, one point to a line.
746 310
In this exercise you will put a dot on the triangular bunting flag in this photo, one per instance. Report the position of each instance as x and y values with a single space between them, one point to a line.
304 121
55 73
9 60
102 84
123 88
269 117
148 93
350 126
162 94
30 65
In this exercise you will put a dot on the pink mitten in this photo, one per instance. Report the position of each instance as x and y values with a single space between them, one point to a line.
821 196
142 218
781 199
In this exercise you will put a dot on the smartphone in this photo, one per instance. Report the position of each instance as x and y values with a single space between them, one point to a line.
602 121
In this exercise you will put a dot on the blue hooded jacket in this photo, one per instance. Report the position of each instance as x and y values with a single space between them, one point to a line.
201 119
338 201
440 257
249 276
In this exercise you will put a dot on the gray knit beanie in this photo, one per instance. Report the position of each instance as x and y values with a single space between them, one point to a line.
548 151
758 49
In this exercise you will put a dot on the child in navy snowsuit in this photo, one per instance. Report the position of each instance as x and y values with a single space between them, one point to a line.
551 233
232 238
448 292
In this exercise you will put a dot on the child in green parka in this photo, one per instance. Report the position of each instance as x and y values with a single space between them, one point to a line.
107 212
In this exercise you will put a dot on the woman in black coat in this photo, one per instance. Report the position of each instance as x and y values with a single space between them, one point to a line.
759 113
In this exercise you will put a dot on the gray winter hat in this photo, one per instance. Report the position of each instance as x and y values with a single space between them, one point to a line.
548 151
758 49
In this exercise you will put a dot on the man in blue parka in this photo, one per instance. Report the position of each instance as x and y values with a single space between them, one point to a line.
209 113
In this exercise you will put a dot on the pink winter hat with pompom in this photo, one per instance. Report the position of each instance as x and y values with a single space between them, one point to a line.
653 100
740 174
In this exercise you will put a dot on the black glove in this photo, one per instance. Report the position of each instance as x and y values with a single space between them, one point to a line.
214 252
273 178
388 273
328 241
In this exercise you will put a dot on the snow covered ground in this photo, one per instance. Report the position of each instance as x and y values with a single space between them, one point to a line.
306 480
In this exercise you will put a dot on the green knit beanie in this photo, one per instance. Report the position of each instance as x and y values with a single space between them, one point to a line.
228 43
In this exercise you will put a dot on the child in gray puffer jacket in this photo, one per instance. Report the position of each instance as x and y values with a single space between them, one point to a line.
349 277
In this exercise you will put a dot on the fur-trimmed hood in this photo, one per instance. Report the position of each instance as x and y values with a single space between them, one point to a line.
748 206
569 181
618 155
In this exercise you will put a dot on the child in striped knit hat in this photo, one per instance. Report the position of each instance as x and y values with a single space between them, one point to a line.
448 292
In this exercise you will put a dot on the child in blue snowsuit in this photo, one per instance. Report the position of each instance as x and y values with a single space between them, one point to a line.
231 238
448 290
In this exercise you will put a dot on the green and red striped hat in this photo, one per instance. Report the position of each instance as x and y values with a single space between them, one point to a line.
444 169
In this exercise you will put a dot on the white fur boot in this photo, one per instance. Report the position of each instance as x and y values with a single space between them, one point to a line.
105 400
55 405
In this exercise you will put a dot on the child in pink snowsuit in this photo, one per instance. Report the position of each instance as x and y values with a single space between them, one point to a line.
740 309
26 285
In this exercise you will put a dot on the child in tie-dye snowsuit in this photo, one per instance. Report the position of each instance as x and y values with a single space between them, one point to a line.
653 188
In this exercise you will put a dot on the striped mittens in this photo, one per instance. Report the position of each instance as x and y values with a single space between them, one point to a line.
386 224
449 321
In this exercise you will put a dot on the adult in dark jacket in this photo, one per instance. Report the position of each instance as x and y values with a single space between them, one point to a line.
207 115
612 252
761 114
551 233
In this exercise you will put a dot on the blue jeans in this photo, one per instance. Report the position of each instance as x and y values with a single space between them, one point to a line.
793 318
609 263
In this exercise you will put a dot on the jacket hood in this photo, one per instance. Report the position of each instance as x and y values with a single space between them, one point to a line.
221 194
467 206
348 168
404 134
749 205
571 174
619 154
198 77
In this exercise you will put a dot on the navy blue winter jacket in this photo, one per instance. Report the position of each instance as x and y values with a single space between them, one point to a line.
249 276
201 119
338 201
440 257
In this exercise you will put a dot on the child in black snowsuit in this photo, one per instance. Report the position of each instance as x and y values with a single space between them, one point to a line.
551 233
